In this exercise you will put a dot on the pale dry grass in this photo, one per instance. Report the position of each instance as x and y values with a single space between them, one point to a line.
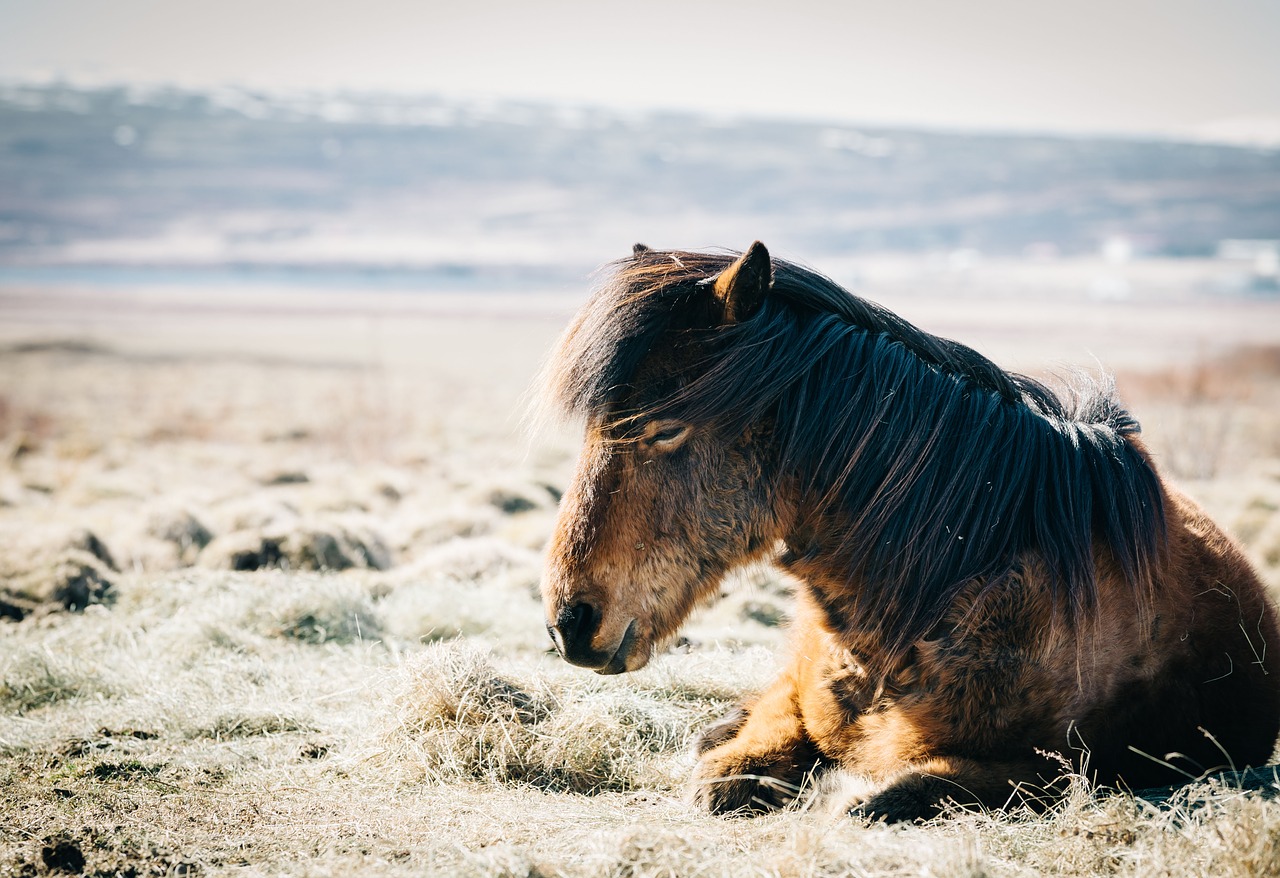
393 709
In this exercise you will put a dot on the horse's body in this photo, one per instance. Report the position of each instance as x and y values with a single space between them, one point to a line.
988 574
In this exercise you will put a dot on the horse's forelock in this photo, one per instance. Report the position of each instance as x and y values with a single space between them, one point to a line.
597 355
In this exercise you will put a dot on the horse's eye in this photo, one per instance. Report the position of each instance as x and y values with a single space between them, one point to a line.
665 435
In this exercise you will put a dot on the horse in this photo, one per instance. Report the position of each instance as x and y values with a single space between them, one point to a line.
992 580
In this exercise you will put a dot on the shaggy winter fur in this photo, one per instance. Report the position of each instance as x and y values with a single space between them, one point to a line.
989 570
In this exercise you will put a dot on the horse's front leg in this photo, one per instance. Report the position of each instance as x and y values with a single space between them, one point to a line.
758 758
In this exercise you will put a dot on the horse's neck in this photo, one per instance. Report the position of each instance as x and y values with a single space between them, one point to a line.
817 548
822 564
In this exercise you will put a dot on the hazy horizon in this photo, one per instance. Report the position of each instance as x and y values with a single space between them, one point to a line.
1177 68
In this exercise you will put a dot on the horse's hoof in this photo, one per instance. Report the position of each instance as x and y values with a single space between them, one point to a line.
740 787
903 802
741 796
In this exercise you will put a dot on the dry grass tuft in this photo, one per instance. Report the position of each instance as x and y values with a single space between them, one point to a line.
183 530
458 718
54 568
36 677
475 559
239 724
319 610
299 547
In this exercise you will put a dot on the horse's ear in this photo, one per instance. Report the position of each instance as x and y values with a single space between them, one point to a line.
638 249
742 286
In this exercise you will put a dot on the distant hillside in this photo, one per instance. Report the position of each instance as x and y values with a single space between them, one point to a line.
175 178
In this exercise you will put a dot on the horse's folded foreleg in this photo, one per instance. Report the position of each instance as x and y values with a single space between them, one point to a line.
758 759
925 789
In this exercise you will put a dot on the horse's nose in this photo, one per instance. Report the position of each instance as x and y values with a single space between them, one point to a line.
572 632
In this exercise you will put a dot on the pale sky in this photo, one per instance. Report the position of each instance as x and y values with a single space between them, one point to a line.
1122 66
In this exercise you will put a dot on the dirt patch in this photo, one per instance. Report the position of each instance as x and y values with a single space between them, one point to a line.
65 853
128 769
62 854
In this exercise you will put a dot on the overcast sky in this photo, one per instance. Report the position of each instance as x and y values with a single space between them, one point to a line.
1123 66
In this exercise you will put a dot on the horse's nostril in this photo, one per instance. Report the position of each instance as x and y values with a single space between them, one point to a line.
574 628
583 622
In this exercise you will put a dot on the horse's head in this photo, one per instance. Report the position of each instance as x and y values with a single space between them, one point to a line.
661 505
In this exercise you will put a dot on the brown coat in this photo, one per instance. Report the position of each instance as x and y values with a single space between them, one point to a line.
987 574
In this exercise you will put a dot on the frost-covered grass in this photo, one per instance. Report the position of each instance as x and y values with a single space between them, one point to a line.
222 747
313 643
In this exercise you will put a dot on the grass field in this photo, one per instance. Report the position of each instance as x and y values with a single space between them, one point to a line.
269 568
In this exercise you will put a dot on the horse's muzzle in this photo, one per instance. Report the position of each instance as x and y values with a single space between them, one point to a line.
573 631
618 664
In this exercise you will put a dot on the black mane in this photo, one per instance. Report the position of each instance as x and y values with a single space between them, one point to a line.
948 468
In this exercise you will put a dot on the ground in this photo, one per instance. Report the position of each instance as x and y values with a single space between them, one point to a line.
268 580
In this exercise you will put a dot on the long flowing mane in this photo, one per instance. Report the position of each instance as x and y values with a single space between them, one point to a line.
946 467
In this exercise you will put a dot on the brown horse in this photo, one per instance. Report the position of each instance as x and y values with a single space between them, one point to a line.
989 572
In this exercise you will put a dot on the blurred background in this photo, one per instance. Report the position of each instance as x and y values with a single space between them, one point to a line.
497 145
279 236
